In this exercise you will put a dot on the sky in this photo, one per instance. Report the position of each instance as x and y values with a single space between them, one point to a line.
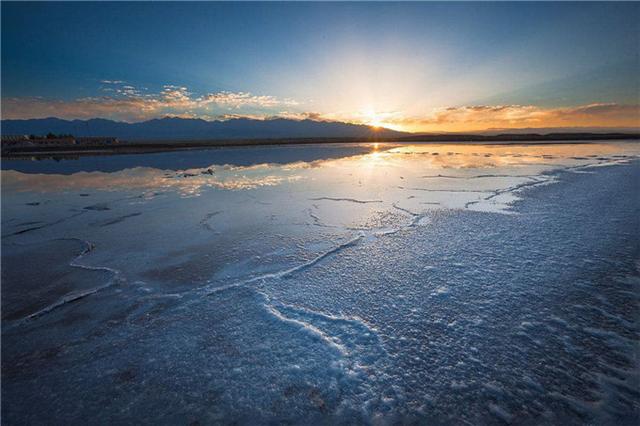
420 67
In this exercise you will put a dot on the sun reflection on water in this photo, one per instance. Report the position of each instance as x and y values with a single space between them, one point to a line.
384 163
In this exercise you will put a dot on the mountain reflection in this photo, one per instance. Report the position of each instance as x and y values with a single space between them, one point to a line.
382 165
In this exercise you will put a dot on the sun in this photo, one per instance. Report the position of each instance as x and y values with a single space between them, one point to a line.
372 119
376 123
379 121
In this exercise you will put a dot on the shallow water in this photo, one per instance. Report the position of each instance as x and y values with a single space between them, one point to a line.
370 283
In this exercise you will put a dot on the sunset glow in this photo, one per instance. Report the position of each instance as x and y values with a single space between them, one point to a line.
428 69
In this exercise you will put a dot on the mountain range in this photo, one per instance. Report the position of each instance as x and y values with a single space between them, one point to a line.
173 128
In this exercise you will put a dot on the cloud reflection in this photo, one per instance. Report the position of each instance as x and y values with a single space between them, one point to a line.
386 164
187 182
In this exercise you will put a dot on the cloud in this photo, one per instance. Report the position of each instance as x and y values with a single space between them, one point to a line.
315 116
127 109
240 99
127 103
237 116
480 117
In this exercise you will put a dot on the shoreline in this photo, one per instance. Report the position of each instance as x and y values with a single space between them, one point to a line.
156 146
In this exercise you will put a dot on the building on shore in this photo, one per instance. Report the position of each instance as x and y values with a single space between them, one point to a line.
31 141
16 141
9 139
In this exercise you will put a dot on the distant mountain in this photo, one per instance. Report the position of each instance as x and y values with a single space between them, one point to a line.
171 128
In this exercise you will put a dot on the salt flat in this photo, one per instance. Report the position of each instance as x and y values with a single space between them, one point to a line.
350 284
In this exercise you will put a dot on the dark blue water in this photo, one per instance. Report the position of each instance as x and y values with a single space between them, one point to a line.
181 160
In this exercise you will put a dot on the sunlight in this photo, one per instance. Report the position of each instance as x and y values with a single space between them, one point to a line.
376 123
372 119
380 120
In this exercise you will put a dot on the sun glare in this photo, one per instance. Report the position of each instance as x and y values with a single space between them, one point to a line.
376 123
379 121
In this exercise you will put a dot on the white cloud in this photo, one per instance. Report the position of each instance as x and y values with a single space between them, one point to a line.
128 103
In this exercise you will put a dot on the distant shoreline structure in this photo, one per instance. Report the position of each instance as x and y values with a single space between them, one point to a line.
113 146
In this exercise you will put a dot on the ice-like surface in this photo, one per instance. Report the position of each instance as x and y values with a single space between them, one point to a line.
464 284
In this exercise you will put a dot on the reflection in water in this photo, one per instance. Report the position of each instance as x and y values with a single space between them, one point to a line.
384 164
357 287
179 160
187 182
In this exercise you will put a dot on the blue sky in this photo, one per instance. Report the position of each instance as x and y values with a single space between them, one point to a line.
415 66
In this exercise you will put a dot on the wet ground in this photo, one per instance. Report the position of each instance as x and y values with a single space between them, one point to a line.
414 284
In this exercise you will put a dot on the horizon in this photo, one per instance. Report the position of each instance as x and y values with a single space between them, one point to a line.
374 129
418 68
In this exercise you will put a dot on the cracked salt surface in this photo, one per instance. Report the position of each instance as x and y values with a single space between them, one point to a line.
484 284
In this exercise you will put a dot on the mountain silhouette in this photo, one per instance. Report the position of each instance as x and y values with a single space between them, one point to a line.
174 128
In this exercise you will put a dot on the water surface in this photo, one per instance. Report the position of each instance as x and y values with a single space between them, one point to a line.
342 283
